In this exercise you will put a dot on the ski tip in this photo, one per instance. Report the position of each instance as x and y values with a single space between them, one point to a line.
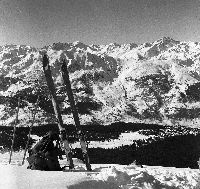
45 56
45 60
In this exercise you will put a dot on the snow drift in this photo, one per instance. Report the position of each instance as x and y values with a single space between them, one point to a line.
102 177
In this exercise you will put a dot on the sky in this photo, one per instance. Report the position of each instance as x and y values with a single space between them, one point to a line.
42 22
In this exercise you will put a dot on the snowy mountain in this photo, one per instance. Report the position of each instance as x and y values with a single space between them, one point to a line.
155 82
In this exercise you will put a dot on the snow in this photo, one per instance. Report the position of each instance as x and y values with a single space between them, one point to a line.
123 139
114 64
103 176
12 177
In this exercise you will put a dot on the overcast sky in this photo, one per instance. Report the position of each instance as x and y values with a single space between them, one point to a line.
41 22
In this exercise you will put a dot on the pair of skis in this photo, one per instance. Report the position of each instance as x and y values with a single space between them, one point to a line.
63 134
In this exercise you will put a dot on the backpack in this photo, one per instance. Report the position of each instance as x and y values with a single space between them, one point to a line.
43 156
37 161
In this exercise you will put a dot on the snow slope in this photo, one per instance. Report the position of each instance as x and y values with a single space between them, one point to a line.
103 176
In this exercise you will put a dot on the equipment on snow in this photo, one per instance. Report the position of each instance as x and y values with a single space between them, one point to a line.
44 155
63 134
65 76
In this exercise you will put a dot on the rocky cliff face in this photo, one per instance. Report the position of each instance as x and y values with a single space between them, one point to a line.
154 82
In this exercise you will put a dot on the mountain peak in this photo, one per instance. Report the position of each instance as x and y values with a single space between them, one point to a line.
111 79
166 40
77 43
114 44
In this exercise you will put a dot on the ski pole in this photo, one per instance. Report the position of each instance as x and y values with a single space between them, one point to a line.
14 130
30 130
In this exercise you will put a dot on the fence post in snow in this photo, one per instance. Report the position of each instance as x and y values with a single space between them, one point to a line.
30 130
14 130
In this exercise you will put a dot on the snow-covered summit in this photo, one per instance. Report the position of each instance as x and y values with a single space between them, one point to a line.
166 40
154 82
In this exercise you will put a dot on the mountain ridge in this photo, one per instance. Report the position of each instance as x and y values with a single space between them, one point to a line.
153 82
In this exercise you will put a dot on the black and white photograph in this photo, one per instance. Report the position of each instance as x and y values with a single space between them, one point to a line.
100 94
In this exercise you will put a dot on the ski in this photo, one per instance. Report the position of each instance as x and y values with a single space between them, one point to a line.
52 89
65 76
